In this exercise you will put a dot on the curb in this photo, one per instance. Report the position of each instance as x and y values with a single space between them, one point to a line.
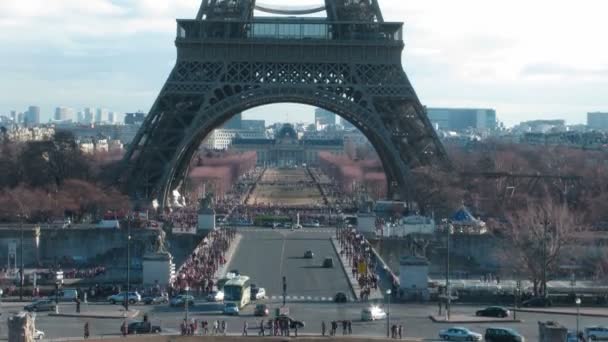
471 321
94 316
229 255
564 313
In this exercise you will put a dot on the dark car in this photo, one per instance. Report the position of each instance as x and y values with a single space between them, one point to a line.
143 328
293 323
41 305
340 297
537 302
502 335
328 262
309 254
261 310
493 311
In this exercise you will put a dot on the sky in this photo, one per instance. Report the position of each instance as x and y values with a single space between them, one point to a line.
527 59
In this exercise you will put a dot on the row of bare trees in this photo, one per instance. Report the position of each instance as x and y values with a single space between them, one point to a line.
47 180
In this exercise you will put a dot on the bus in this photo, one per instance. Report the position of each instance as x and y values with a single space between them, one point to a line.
238 290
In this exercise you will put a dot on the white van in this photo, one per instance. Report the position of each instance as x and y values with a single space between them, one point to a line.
65 295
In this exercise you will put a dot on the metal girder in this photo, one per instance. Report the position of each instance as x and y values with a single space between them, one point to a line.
212 81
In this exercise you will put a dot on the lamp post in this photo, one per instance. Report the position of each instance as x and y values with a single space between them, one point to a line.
21 275
448 292
128 263
186 299
578 310
388 313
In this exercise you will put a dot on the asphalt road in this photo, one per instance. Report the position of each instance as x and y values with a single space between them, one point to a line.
267 255
414 318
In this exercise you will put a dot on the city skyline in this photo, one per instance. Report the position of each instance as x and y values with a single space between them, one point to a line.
120 52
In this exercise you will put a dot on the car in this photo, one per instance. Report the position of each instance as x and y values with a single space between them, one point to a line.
596 333
231 309
153 300
119 298
503 335
181 300
143 328
340 297
372 313
309 254
571 337
258 293
493 311
459 334
235 272
261 310
215 296
537 302
38 334
328 262
41 305
293 323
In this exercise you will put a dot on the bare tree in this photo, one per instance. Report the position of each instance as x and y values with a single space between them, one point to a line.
538 235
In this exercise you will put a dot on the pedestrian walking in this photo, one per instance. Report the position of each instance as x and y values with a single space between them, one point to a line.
77 305
344 327
123 328
86 330
216 327
245 327
295 329
350 327
323 328
224 328
400 331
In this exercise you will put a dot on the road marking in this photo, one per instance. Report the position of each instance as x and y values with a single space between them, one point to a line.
282 255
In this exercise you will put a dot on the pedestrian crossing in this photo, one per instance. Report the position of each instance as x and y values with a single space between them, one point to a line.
294 298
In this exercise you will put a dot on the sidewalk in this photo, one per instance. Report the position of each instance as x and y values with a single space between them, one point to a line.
354 284
222 270
566 311
114 314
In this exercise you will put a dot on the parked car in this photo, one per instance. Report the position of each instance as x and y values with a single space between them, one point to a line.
571 337
459 334
215 296
154 300
65 295
119 298
41 305
340 297
328 262
493 311
38 334
258 293
143 328
309 254
231 309
261 310
372 313
537 302
181 300
596 333
503 335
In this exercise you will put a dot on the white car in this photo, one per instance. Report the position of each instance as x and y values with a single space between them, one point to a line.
596 333
38 334
119 298
216 296
261 293
459 334
372 313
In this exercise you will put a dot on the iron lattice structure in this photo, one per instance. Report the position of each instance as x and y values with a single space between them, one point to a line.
229 61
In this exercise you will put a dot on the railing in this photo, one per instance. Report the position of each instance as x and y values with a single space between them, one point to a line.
281 29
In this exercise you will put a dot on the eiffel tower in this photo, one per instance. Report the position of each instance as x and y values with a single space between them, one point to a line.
229 61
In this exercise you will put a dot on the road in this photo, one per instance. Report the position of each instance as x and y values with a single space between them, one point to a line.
266 255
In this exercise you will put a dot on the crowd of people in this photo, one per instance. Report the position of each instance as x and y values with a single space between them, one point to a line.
199 269
361 260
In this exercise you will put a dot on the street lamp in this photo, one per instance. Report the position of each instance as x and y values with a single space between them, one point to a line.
128 263
186 299
578 310
388 313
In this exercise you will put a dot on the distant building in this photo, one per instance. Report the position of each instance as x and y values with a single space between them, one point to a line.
324 118
64 114
598 121
540 126
26 134
235 122
347 125
102 115
13 116
221 139
253 125
287 148
32 116
89 116
462 119
135 118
